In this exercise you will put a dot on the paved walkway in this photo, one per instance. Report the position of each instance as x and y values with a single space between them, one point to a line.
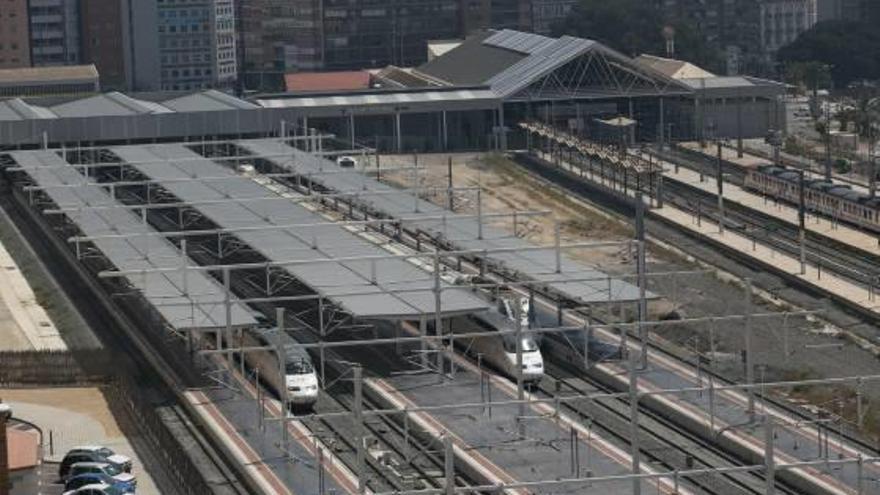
24 324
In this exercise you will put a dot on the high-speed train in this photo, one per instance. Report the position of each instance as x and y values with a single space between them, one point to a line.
500 351
300 380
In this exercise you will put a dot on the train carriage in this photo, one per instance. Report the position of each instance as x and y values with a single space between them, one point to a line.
838 201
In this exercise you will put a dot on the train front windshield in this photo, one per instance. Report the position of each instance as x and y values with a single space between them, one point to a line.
299 367
528 345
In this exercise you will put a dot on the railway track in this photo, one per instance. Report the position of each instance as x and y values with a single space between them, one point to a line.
664 442
660 441
826 253
617 206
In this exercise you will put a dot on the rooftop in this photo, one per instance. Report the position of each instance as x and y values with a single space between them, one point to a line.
670 67
62 73
327 81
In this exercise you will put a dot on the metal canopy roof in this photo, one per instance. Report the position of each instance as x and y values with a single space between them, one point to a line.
392 288
206 101
107 104
518 41
185 301
545 59
537 264
383 98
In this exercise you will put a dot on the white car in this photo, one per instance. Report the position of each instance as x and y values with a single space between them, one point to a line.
346 162
97 489
112 457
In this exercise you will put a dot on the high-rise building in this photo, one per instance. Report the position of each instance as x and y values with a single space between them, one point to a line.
279 36
510 14
782 21
196 44
730 27
848 10
105 41
15 49
150 45
546 14
54 32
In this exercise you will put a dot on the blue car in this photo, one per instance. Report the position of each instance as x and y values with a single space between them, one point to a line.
84 479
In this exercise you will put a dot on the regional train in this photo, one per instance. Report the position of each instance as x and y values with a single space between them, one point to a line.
300 380
837 201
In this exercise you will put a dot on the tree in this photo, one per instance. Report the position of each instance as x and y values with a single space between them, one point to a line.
850 49
634 27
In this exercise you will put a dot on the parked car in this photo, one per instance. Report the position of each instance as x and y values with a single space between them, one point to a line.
81 480
96 489
128 480
346 162
123 463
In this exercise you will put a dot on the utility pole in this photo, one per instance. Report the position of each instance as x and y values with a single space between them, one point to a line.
357 375
872 165
802 229
720 180
827 143
739 125
642 279
750 365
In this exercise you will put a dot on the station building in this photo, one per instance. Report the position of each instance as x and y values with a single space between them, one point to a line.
469 98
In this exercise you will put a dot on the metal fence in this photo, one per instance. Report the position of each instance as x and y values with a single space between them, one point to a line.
129 404
54 368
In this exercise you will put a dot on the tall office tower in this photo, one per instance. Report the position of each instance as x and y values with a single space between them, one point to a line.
104 36
281 36
730 27
278 36
196 44
546 14
846 10
782 21
14 34
506 14
161 44
54 32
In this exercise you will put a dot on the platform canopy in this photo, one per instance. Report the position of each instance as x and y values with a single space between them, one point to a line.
583 283
382 288
185 299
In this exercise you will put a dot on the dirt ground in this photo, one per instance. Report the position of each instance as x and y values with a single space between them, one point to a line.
786 347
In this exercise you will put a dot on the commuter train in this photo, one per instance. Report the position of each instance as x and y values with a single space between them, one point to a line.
837 201
500 351
301 381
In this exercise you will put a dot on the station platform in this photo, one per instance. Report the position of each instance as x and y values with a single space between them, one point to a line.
492 435
232 414
24 323
819 224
